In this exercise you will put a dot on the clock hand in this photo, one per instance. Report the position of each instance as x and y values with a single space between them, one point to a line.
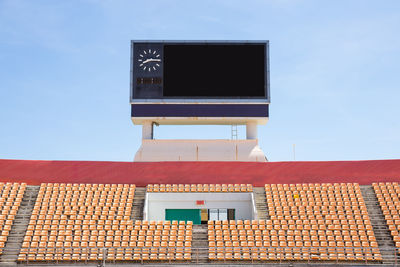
151 60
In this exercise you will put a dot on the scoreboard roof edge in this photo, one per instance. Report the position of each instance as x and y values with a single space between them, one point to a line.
203 41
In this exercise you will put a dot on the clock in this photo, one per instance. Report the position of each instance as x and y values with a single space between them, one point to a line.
149 60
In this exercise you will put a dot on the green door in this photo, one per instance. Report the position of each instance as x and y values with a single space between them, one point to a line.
183 215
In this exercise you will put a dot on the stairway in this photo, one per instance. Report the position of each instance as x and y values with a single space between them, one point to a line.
261 203
17 233
138 203
200 244
381 230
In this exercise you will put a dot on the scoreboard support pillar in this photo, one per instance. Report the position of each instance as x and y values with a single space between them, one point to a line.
251 130
147 130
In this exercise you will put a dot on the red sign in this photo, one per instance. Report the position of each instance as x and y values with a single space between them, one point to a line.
200 202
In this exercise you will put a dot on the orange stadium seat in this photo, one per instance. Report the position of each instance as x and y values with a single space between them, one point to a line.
174 188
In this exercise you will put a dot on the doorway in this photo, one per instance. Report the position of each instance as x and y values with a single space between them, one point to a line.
219 215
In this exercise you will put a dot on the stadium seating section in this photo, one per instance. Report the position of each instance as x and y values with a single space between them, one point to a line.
388 195
163 240
10 200
180 188
330 219
91 222
72 221
238 240
80 222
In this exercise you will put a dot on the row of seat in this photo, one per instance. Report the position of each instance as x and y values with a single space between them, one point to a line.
284 236
110 254
123 225
298 244
312 186
268 233
310 213
34 245
296 206
77 219
303 224
298 254
110 235
316 195
81 186
126 211
300 238
199 188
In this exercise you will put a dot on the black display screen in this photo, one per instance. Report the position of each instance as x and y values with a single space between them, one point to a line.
214 70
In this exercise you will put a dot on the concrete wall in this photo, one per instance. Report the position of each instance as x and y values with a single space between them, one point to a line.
157 203
200 150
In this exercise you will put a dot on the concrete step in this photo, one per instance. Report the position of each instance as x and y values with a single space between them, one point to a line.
19 227
138 203
199 242
260 203
381 230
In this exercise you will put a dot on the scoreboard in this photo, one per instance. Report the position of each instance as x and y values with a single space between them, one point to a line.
199 79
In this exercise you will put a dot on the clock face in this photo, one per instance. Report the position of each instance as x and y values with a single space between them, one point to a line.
149 60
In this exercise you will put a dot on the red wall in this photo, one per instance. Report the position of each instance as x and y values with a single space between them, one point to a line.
142 173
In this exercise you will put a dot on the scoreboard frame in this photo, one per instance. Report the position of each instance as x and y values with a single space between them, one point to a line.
205 99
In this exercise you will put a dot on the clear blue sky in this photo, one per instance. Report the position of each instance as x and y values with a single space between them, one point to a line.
64 75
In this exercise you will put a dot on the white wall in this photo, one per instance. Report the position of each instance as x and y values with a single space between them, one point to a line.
200 150
157 203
